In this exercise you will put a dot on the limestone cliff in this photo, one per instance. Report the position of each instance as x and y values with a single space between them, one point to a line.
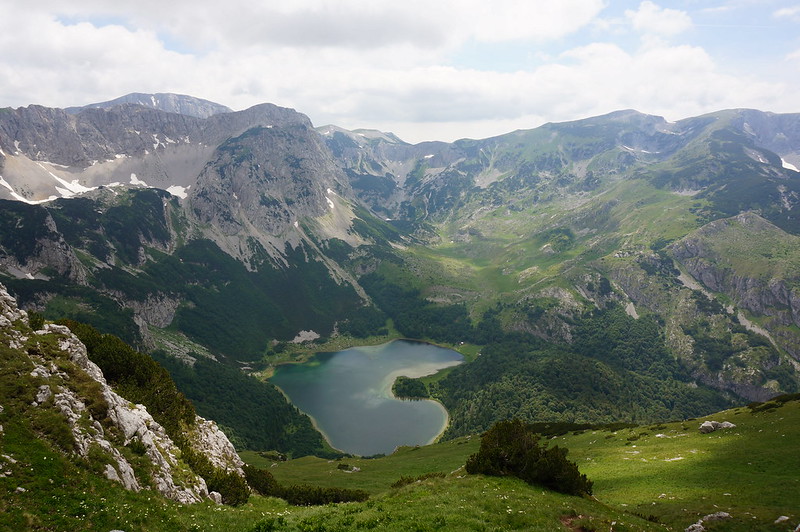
100 422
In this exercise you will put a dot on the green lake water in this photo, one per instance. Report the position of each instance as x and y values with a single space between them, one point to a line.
349 395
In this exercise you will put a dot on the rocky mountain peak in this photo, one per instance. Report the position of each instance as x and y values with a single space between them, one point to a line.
263 182
171 103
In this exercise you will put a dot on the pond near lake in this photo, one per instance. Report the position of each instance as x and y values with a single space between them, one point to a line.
348 394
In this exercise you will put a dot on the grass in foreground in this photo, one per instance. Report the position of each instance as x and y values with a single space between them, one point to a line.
668 473
675 473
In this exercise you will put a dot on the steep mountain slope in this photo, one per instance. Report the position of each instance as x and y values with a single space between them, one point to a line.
51 391
259 186
704 157
47 153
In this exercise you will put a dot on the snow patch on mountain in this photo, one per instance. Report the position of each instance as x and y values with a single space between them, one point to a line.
23 199
137 182
177 190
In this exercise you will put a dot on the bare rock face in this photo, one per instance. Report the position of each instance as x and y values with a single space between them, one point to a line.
208 439
157 309
136 423
9 312
132 421
262 183
47 153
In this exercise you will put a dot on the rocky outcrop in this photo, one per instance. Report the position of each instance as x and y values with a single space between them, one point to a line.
699 527
134 422
131 423
710 426
761 287
157 309
212 442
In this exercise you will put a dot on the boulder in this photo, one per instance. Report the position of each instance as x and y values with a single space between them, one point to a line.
710 426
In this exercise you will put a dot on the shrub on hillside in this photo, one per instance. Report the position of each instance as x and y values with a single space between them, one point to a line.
404 480
231 486
511 448
261 481
308 495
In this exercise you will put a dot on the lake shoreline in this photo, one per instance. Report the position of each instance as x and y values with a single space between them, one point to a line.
304 355
343 383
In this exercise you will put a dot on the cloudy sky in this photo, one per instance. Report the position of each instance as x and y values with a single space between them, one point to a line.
424 69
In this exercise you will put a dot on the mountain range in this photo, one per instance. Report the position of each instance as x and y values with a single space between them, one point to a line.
208 234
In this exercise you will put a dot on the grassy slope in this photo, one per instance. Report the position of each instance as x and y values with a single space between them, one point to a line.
749 471
755 248
513 251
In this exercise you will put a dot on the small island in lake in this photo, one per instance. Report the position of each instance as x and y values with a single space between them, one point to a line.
408 388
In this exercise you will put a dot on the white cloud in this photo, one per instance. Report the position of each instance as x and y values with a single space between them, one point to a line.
374 64
792 13
650 18
343 23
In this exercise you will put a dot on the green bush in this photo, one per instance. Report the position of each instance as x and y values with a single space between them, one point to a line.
511 448
232 487
309 495
404 480
261 481
35 320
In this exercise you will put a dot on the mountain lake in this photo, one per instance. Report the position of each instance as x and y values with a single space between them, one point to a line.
349 396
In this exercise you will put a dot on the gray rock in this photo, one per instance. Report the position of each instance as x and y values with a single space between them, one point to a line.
208 439
710 426
698 526
43 394
171 103
717 516
215 496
